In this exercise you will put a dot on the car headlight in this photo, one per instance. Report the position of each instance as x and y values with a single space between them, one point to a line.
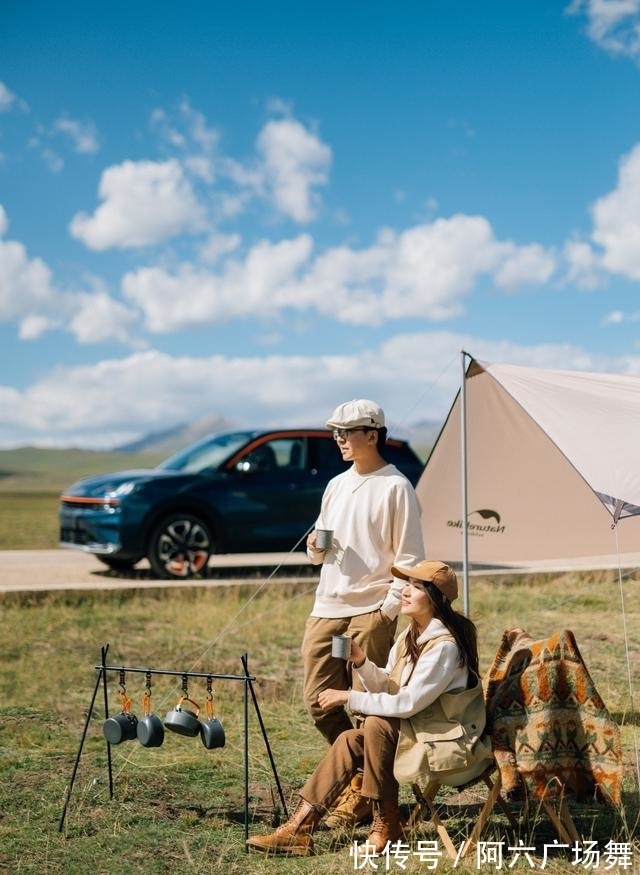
120 491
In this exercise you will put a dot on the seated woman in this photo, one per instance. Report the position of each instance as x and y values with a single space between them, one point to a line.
436 655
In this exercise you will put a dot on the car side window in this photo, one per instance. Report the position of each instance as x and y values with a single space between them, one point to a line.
325 455
279 453
297 459
262 458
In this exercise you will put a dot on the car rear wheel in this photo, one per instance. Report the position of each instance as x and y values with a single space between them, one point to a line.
180 546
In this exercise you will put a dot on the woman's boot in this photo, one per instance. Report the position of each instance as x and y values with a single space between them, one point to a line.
350 808
387 825
294 836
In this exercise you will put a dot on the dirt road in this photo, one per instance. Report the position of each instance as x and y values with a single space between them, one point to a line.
24 570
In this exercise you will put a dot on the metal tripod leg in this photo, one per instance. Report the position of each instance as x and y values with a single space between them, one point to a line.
264 735
84 735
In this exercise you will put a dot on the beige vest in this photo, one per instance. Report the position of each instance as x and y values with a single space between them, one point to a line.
445 740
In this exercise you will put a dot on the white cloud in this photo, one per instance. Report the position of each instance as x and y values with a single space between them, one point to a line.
279 106
160 120
258 286
289 165
54 162
614 25
27 293
33 326
296 161
424 272
200 133
613 246
200 167
84 135
25 284
619 317
229 206
29 297
616 220
219 245
432 266
144 203
245 177
9 100
98 318
616 317
187 131
111 402
525 265
583 264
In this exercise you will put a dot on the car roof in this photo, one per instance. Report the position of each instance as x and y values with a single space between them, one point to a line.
287 429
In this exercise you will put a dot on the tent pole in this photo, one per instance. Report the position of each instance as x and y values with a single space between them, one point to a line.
463 467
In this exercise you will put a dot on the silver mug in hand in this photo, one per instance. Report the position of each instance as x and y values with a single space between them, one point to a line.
341 646
324 539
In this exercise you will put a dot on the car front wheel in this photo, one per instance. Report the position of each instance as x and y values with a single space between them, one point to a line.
180 547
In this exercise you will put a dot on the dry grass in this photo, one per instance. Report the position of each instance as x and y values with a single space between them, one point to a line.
183 806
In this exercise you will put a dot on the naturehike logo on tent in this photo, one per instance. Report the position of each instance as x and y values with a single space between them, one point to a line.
476 528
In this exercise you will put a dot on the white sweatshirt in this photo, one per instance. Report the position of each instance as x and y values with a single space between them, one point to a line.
437 671
375 519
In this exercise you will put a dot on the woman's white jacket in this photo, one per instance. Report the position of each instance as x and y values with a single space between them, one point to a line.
437 671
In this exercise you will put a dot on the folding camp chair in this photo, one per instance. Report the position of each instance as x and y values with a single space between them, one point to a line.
425 805
552 735
557 811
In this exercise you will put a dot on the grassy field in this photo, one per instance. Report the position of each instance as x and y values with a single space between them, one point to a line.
30 468
181 806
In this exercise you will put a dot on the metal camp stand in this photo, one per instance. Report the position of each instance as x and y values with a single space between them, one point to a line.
246 679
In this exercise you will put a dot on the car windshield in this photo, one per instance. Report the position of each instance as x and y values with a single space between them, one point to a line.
210 452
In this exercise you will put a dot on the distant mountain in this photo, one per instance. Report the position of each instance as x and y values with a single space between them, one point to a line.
173 439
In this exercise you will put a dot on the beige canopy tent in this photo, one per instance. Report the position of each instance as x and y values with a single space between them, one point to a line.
536 470
545 471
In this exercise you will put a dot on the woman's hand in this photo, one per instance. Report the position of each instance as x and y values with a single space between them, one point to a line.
328 699
357 655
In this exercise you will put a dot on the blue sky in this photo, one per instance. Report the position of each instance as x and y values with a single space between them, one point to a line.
261 209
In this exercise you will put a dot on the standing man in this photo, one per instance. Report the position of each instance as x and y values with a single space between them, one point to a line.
373 512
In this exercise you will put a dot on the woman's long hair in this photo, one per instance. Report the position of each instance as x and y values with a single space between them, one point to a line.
461 627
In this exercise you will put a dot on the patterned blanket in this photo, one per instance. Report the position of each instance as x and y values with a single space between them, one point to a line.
550 728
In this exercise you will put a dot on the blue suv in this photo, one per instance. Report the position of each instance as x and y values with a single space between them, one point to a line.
249 491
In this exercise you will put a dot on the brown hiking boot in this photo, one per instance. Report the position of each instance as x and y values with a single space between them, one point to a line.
350 808
387 826
293 837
